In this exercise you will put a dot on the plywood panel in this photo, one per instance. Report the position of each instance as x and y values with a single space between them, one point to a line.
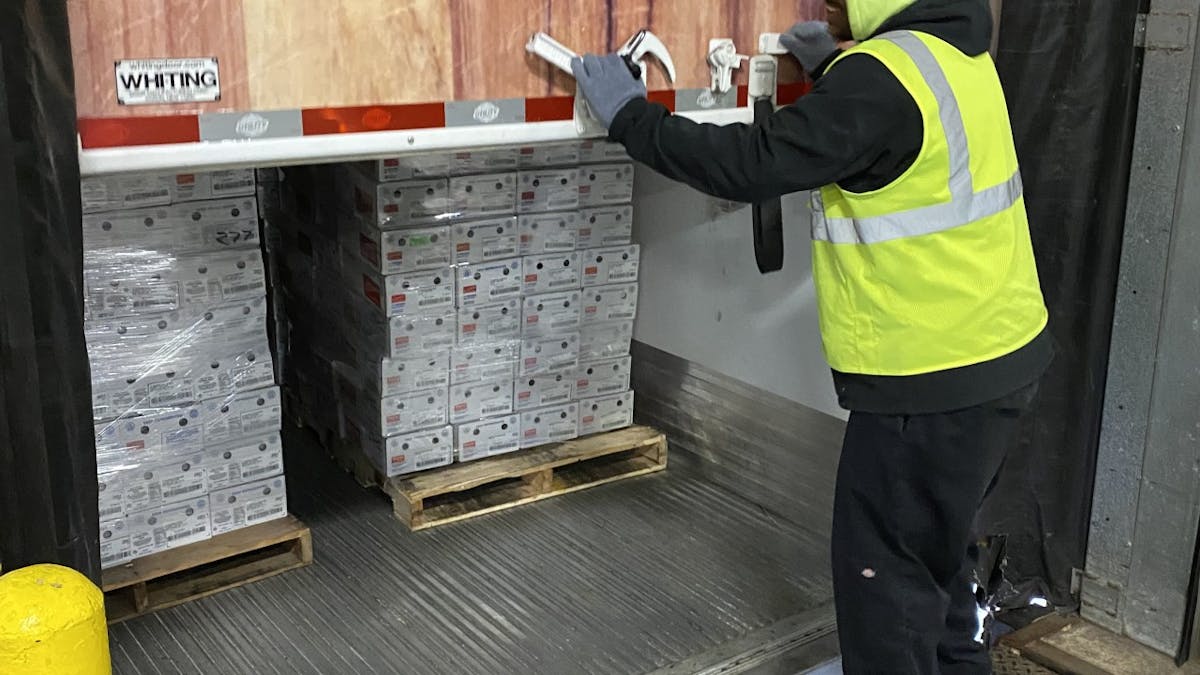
489 48
347 52
104 31
685 27
582 25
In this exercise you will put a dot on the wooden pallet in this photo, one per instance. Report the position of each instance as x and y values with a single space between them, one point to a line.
202 569
1069 644
462 491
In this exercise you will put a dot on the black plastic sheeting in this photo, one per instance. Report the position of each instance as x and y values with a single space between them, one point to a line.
1070 69
48 509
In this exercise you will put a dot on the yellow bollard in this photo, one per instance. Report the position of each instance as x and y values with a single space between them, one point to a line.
52 621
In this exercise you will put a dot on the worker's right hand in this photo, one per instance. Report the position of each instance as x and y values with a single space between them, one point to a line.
811 43
607 84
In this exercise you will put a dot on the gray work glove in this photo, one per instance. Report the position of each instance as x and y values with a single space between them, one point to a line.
607 85
811 43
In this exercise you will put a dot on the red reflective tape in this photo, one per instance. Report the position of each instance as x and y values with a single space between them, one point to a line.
743 96
665 97
554 109
790 93
114 132
320 121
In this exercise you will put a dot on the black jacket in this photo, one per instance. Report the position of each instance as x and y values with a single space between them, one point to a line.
861 129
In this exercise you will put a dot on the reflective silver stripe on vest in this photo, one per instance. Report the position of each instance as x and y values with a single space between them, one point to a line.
965 206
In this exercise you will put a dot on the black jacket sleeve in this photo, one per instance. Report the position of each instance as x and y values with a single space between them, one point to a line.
858 125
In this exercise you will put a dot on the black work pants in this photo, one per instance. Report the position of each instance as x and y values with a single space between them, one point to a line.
908 491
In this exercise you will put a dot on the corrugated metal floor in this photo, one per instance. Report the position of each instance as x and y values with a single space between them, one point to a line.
622 579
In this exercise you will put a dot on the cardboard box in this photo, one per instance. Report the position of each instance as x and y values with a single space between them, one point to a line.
605 226
405 414
244 461
484 161
546 233
396 377
403 337
244 414
552 272
605 340
606 184
168 527
484 241
484 362
403 251
606 266
484 196
111 193
605 413
116 543
550 155
544 190
541 391
488 438
197 227
600 151
552 314
489 283
489 324
604 377
549 354
134 440
408 453
247 505
111 486
160 483
606 304
556 424
394 205
428 292
480 400
406 168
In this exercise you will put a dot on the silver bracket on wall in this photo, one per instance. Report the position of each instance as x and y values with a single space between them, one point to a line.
1167 32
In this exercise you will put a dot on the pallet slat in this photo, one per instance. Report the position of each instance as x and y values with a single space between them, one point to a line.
462 491
205 568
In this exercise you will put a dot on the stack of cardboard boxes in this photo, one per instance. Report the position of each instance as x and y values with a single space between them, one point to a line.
184 399
489 299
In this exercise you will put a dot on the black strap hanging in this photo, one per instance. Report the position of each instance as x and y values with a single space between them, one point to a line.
768 215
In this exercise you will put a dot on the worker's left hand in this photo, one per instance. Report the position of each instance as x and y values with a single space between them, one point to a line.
607 85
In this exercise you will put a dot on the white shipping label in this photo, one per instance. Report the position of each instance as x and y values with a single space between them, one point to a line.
548 190
553 272
116 543
169 527
482 196
549 425
109 193
112 495
549 354
488 361
486 241
248 505
488 438
604 304
489 283
413 412
408 250
603 378
479 400
552 314
605 266
607 226
165 81
540 391
606 184
244 461
550 155
484 161
549 233
396 377
410 453
214 185
488 325
244 414
606 413
166 483
605 340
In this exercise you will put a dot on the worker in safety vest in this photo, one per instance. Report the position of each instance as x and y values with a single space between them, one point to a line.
931 312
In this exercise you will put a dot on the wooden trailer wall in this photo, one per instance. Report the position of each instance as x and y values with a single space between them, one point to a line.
281 54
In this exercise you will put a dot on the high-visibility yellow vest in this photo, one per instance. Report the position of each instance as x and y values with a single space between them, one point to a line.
936 270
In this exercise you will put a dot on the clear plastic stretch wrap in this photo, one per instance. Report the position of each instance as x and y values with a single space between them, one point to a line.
487 298
185 402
